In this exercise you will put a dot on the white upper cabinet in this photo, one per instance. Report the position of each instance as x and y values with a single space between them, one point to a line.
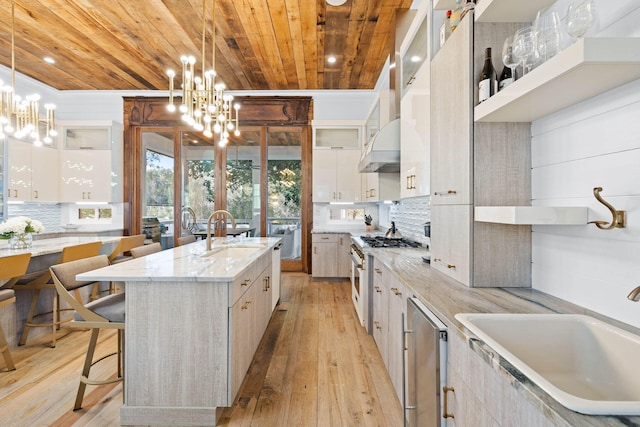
32 173
415 122
91 162
335 162
335 176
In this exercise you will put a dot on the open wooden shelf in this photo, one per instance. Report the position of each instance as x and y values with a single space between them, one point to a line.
585 69
509 10
531 215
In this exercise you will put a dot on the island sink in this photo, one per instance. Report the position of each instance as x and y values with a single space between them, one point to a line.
585 364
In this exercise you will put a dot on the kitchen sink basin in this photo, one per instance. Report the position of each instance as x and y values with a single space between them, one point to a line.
587 365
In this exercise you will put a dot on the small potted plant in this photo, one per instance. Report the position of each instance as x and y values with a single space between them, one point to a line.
19 231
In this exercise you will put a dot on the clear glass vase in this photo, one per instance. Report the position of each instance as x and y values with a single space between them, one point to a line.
21 241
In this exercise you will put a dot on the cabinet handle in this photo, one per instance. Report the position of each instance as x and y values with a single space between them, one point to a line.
411 80
377 270
15 193
413 182
446 193
377 325
377 288
366 194
445 411
339 195
315 250
451 266
407 185
83 195
35 196
88 194
396 291
373 192
324 238
341 240
334 195
245 282
245 305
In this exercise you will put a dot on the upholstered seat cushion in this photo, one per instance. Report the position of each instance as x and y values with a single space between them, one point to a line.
5 294
110 307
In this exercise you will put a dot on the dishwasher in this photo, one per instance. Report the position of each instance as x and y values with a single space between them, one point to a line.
425 366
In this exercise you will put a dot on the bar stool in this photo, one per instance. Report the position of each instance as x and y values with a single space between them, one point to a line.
69 253
144 250
121 253
105 313
11 269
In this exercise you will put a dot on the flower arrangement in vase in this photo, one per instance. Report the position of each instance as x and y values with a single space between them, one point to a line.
19 231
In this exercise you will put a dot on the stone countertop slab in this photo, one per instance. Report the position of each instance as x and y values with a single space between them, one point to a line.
186 263
447 297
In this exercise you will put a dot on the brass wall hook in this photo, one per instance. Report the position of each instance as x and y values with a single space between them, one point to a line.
619 217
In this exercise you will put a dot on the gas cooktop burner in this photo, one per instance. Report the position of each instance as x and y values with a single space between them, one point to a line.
385 242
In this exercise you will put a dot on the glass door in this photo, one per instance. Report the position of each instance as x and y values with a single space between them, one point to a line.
244 179
198 182
284 186
157 180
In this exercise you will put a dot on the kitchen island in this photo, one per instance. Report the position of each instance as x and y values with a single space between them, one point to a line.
194 319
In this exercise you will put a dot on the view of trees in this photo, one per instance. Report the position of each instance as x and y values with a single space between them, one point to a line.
283 177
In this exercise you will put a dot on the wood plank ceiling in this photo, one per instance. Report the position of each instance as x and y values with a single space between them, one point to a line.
260 44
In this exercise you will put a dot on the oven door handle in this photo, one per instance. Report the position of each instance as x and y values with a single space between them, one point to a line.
356 260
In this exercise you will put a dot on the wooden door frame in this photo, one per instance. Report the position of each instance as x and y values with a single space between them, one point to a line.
147 113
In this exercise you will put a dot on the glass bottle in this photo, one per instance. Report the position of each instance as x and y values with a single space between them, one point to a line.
445 29
455 15
488 81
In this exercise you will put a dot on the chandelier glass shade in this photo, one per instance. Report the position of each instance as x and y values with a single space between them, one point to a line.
19 116
205 106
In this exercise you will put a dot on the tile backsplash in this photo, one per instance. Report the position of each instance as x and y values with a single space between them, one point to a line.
47 213
409 216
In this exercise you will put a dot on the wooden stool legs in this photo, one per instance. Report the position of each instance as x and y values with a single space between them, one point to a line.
4 345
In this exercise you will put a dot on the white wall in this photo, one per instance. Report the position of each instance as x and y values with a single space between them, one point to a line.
592 144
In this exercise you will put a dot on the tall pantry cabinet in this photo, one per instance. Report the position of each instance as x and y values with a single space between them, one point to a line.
475 164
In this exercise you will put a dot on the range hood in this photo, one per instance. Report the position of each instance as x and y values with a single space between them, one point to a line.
383 152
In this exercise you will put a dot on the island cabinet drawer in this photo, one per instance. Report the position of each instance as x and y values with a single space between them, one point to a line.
324 238
244 281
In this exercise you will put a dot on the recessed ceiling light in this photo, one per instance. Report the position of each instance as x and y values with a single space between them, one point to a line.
415 58
336 2
49 60
331 59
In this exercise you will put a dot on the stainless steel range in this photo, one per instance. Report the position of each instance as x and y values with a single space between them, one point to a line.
360 268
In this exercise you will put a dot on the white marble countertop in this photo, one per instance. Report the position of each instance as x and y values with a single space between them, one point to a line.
446 297
54 245
185 263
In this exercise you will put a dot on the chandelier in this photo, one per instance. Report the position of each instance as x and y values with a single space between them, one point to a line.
204 105
20 116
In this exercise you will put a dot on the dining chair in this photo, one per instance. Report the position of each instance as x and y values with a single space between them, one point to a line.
144 250
105 313
185 240
44 281
11 269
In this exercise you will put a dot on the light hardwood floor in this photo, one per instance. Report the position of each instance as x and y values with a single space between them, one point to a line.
315 366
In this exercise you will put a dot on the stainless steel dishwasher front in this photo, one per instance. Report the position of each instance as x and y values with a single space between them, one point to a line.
425 372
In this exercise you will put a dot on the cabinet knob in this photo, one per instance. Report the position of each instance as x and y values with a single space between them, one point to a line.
396 291
377 288
377 325
245 282
377 270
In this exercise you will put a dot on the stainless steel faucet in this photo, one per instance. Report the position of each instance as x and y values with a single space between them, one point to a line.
634 295
220 217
